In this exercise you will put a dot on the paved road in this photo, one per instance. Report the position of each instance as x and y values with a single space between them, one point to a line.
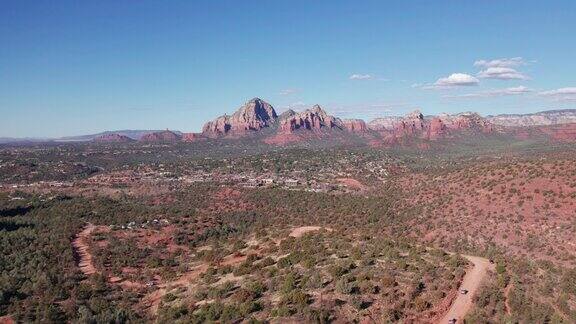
472 280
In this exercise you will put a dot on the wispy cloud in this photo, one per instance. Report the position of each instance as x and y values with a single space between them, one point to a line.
502 73
297 106
562 94
503 62
361 77
286 92
453 80
513 91
368 110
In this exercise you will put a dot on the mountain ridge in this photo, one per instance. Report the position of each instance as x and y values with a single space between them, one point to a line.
257 115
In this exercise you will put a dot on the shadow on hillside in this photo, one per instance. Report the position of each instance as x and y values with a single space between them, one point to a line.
12 226
16 211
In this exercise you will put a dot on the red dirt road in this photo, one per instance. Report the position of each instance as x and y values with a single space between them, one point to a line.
80 246
472 281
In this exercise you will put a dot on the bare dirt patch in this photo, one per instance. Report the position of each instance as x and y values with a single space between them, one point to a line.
81 247
153 299
6 320
299 231
352 183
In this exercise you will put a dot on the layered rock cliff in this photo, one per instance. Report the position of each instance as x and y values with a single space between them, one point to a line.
355 125
550 117
416 125
253 116
313 119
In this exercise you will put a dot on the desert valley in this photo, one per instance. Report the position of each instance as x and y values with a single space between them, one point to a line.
283 162
296 217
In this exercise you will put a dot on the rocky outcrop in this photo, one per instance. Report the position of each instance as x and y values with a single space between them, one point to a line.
112 138
163 136
416 125
559 132
355 125
467 120
192 137
314 119
253 116
436 129
551 117
562 132
384 123
411 125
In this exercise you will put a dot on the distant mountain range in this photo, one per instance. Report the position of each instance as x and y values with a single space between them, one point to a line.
258 119
134 134
550 117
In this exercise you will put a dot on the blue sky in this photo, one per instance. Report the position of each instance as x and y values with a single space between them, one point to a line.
77 67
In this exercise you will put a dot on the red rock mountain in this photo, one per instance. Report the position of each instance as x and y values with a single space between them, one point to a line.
416 125
384 123
163 136
192 137
316 124
314 119
253 116
550 117
355 125
112 138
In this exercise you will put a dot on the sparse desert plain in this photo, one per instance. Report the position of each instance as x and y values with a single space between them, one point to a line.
273 162
343 232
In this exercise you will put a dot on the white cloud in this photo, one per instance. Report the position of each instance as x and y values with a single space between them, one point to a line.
503 62
562 94
361 77
513 91
286 92
454 80
502 73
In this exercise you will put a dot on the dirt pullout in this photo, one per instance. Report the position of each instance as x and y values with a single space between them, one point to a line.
81 250
352 183
299 231
471 282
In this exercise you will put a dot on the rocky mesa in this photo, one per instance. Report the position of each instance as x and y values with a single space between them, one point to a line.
163 136
112 138
550 117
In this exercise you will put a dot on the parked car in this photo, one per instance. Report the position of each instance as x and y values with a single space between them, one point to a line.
463 291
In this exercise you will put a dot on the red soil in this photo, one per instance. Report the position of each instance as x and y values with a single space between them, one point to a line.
508 203
81 247
352 183
227 199
6 320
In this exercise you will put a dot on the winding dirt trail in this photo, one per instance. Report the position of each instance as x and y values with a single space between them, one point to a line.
507 298
80 246
471 282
